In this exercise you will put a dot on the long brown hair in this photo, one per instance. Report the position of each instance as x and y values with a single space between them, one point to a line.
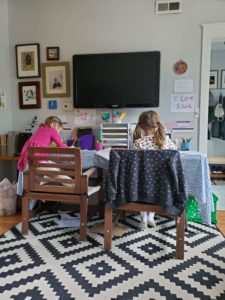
149 121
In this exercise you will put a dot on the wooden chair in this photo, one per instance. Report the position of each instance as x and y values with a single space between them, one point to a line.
55 174
138 206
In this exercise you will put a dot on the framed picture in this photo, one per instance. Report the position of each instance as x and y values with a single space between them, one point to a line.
222 79
29 94
52 53
56 79
213 79
28 60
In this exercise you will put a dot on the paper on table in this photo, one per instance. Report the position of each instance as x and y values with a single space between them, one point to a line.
68 221
104 153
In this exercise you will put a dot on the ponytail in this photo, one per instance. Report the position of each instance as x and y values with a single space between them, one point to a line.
137 132
160 136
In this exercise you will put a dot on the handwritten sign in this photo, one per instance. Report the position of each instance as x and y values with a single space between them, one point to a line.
182 103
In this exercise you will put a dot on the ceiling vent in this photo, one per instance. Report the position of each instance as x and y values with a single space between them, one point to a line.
168 6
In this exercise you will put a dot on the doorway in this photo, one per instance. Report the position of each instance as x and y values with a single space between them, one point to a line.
210 33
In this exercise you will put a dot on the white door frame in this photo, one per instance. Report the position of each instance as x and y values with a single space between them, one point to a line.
209 32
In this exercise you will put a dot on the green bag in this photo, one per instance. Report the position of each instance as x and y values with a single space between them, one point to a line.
193 213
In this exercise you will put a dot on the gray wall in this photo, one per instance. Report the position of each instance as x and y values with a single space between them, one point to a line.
92 26
5 114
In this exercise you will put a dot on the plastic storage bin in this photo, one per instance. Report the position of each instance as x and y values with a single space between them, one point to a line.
193 213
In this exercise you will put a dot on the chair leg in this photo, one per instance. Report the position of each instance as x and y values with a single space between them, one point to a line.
180 228
101 202
25 214
83 218
108 227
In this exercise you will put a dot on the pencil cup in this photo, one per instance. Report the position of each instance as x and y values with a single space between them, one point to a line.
99 146
185 146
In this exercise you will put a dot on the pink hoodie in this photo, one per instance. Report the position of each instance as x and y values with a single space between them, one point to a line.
42 137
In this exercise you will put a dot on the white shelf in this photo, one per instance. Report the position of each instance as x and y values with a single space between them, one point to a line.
114 128
115 135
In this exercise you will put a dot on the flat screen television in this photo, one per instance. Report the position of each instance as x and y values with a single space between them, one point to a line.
116 80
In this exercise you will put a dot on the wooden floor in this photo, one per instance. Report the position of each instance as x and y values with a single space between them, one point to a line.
221 221
8 222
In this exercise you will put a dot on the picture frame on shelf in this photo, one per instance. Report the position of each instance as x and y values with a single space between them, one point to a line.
222 79
27 60
52 53
213 79
56 79
29 94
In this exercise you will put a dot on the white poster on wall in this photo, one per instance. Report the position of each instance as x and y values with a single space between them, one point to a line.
182 103
85 117
183 86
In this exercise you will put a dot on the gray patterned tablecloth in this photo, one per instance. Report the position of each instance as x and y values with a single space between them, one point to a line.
197 176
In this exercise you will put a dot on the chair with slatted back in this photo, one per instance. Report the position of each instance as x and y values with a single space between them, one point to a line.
146 180
55 174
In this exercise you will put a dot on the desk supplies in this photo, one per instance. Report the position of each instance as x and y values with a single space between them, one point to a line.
185 144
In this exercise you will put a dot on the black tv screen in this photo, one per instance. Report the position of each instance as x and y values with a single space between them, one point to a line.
116 80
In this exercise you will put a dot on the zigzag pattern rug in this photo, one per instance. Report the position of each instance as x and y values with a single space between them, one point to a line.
51 263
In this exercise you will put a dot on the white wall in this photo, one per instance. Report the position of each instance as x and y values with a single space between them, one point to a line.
93 26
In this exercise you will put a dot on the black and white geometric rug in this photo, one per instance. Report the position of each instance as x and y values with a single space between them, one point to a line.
51 263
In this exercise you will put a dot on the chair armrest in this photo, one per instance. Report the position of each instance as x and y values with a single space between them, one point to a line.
90 171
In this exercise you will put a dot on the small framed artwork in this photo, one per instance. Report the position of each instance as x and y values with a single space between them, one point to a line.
213 79
222 79
52 104
28 60
29 94
52 53
56 79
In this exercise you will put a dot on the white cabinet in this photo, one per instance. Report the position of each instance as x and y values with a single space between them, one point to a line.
115 135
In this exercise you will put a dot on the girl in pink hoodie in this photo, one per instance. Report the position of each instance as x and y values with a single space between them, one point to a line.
44 135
